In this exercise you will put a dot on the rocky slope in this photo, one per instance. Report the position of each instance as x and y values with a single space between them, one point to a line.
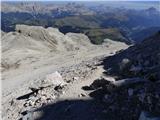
139 60
88 82
43 66
133 89
136 87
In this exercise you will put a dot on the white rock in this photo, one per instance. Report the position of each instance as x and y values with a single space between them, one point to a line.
124 63
130 92
75 78
108 78
54 79
43 97
31 103
81 95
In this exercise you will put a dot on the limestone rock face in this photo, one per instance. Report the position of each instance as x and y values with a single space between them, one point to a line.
36 32
36 41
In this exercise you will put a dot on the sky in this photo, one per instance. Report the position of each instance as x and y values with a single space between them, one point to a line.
143 5
80 0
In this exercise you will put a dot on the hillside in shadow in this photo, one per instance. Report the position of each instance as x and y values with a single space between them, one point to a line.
139 60
108 103
70 110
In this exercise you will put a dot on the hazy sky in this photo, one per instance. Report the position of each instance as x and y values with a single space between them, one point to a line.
80 0
140 5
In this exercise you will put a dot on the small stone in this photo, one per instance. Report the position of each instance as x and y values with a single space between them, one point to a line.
141 97
38 100
31 103
12 102
81 95
130 92
43 97
26 105
94 67
125 63
75 78
39 92
105 96
63 92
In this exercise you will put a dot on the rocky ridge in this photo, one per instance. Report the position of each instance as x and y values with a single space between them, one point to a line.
32 41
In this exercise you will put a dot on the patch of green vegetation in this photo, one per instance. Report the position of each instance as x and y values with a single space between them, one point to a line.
78 22
97 36
98 40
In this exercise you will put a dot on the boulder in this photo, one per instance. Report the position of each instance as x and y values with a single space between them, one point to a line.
125 64
108 78
130 92
54 79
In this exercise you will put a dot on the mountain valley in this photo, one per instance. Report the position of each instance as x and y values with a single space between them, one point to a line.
81 60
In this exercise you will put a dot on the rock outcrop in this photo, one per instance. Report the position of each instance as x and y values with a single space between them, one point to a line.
35 41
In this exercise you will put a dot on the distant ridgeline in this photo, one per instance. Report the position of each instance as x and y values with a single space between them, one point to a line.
97 22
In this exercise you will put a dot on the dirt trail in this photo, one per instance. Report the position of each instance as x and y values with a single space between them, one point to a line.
14 79
75 90
76 103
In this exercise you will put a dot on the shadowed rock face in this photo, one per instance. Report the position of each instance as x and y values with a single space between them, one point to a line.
139 60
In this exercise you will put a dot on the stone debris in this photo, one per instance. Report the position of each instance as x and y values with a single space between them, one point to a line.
44 92
128 98
41 96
